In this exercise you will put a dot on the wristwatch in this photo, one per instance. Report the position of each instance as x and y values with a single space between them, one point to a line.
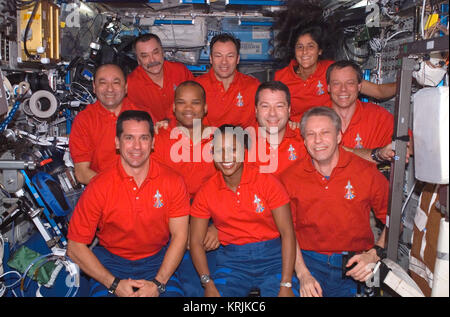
286 284
381 252
205 279
374 155
161 287
115 283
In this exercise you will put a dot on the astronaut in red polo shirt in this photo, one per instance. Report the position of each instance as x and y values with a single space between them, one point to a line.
91 140
229 94
134 209
332 194
306 73
275 145
153 82
186 145
251 211
367 128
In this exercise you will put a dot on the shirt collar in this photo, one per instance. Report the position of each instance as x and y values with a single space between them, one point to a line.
344 160
127 104
213 78
246 178
153 171
143 74
321 68
288 134
357 115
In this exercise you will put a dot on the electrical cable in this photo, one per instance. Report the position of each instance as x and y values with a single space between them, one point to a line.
11 114
354 56
27 29
366 56
23 4
5 192
422 26
395 34
409 196
78 96
16 282
24 275
377 44
49 257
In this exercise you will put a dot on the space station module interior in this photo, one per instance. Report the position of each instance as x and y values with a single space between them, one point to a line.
49 50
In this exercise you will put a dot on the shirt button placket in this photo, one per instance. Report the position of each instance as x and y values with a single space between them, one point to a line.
325 182
134 187
238 194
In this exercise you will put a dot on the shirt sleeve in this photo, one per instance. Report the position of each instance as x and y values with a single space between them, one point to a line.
200 207
275 192
379 195
386 120
158 149
179 199
87 214
133 88
277 76
80 144
285 181
187 73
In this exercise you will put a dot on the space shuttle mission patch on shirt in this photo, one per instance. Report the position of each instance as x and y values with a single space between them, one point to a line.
158 201
259 205
292 153
349 192
240 100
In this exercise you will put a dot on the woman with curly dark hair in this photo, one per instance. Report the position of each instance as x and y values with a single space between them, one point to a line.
309 40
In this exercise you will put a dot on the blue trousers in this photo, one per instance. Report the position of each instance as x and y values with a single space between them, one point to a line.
327 270
240 268
145 268
188 276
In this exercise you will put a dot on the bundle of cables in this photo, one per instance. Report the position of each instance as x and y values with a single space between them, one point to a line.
24 4
73 269
59 257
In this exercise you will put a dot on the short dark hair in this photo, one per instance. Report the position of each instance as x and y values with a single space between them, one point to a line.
136 115
223 38
145 38
192 83
110 64
273 85
320 111
343 64
241 135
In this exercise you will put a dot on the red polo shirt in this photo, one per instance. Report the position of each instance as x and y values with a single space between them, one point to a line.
371 126
333 215
92 136
234 106
244 216
275 161
192 161
308 93
130 221
158 101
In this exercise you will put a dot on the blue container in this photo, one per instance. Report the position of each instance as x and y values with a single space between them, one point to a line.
256 37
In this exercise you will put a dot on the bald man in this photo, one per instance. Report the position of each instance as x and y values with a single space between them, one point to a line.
91 140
